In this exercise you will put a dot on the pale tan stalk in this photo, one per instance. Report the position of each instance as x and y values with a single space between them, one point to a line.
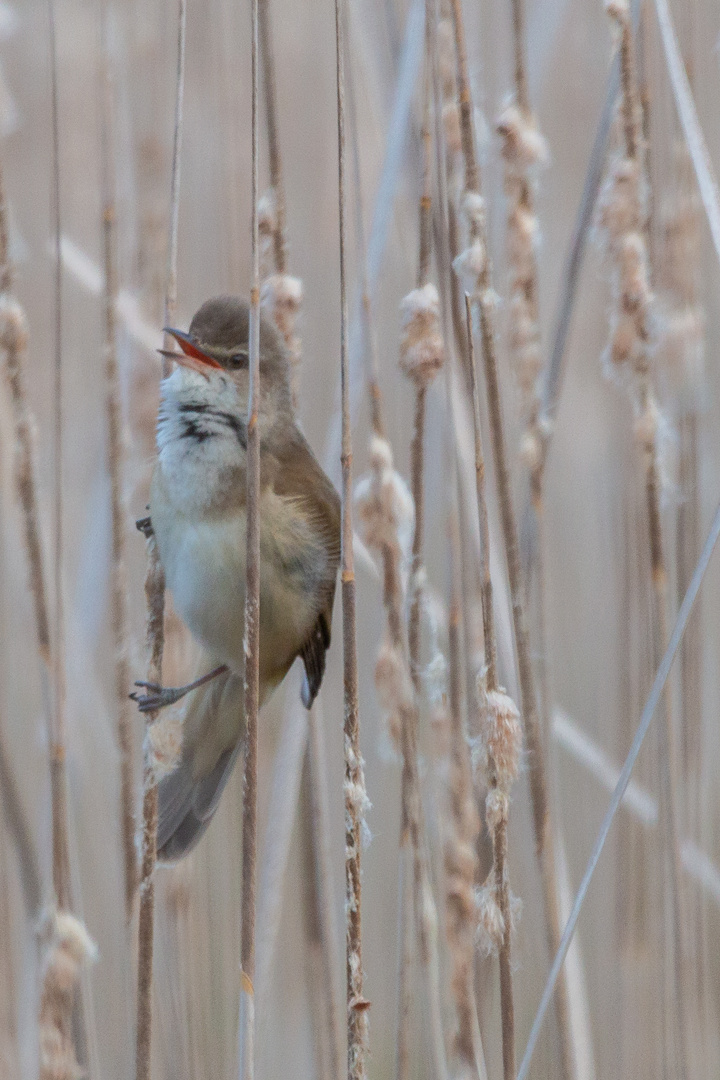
421 358
355 796
483 299
13 338
318 921
460 847
58 771
155 594
499 838
118 583
626 224
280 294
18 829
252 609
318 908
373 377
276 174
9 1043
685 347
417 447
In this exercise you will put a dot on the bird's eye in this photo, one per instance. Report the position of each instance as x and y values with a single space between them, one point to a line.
238 360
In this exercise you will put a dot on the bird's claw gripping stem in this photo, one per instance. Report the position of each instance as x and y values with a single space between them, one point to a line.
162 696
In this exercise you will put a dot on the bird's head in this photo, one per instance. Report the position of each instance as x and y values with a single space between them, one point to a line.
216 347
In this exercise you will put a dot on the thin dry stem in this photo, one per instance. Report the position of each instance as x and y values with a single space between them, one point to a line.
486 587
19 829
155 595
484 300
252 608
624 216
115 452
282 295
276 172
58 778
318 907
355 797
460 850
421 356
499 835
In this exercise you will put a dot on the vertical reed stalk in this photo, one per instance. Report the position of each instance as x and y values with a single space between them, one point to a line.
155 593
355 797
283 297
118 585
417 446
58 781
624 215
18 828
475 264
252 609
276 172
13 339
322 982
460 845
421 357
499 836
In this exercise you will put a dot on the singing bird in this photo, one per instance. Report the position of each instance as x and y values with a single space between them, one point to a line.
198 517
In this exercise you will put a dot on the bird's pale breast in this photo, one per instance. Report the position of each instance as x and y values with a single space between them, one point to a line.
204 561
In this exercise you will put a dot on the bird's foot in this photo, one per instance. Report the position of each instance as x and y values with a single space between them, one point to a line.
159 697
162 696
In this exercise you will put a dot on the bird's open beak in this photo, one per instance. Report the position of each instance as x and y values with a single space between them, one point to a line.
191 356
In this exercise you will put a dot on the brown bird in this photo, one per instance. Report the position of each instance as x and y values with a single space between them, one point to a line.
198 516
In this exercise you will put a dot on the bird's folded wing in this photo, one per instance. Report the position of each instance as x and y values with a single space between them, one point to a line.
300 477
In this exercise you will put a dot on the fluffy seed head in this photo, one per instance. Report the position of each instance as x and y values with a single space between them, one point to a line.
13 325
500 736
386 511
422 352
490 922
523 145
622 200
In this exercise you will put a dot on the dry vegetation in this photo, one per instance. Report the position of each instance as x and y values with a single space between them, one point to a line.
522 325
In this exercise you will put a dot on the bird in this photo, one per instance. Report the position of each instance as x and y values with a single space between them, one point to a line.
198 519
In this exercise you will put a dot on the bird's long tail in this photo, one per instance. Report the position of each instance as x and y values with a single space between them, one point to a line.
213 733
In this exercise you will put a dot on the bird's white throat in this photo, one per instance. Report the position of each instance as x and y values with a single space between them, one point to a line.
201 438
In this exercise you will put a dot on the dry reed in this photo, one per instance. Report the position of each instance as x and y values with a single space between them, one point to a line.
13 337
473 266
623 215
252 611
281 297
460 858
18 829
422 355
500 735
651 704
115 457
57 748
354 785
523 149
155 595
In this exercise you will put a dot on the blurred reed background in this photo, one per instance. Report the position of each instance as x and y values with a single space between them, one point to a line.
641 993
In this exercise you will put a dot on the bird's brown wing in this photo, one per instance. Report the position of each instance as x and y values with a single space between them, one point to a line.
298 475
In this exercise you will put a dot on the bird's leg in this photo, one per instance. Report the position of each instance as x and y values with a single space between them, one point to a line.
160 696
